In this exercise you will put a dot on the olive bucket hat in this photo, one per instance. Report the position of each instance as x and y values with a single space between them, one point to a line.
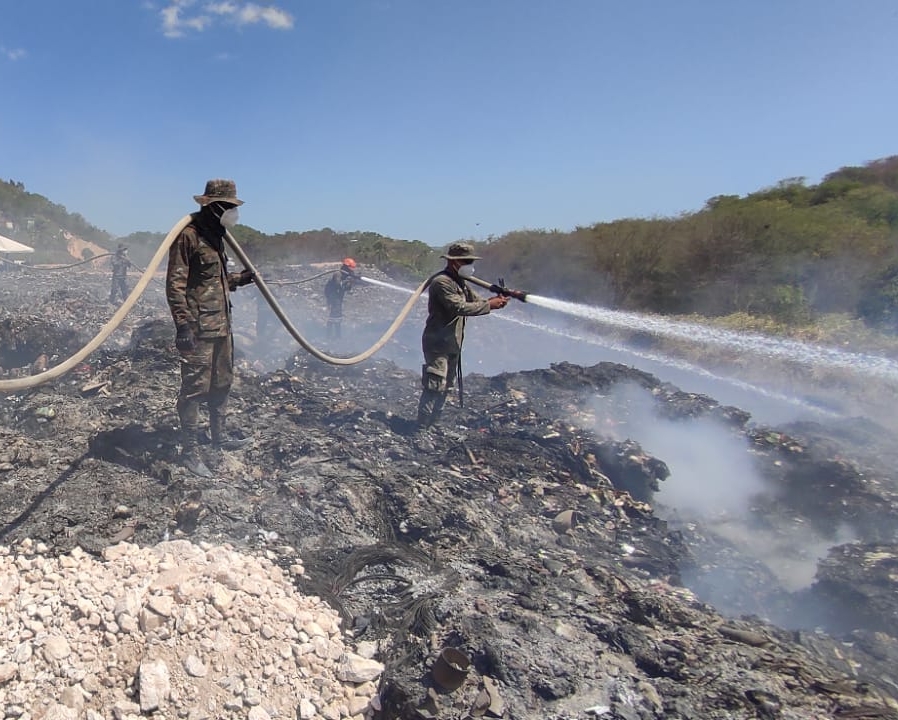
219 191
460 251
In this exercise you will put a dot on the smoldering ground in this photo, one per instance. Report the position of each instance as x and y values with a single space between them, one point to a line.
716 483
465 524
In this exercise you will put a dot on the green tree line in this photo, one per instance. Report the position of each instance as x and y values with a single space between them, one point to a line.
790 251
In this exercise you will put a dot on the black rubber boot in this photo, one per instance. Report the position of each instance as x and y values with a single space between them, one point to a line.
190 455
221 438
188 413
430 407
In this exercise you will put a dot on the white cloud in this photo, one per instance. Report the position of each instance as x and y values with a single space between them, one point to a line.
222 8
176 21
13 53
273 17
182 16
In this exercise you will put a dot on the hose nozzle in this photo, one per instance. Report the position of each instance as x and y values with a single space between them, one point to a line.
508 292
499 288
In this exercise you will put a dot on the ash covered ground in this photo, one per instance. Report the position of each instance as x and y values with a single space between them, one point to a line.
597 541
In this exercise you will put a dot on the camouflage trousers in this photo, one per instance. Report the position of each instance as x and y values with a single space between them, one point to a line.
207 372
438 376
119 287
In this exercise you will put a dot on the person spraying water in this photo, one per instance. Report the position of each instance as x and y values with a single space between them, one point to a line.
450 302
336 288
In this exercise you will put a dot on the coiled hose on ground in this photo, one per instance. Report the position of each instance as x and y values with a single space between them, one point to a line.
57 371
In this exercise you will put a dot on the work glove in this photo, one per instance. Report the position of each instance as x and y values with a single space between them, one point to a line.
245 278
185 340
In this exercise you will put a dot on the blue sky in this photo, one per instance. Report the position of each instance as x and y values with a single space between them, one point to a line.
435 121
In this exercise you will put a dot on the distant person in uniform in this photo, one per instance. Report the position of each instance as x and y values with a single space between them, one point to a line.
198 287
335 289
450 301
120 265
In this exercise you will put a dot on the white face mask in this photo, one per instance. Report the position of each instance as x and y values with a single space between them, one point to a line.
229 218
466 271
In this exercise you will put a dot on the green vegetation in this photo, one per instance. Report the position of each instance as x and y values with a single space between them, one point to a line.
786 256
399 258
790 253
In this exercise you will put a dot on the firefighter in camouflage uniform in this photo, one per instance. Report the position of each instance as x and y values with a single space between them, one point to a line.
197 287
120 265
450 301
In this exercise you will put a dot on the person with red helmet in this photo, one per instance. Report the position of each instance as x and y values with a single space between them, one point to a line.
335 289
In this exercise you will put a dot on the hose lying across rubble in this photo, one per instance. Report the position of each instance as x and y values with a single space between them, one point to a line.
17 384
32 268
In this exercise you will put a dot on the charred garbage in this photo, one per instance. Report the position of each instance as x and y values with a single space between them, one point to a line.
517 562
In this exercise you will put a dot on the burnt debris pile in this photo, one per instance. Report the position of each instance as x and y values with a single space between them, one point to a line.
528 559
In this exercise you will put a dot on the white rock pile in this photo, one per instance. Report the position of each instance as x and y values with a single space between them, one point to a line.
177 630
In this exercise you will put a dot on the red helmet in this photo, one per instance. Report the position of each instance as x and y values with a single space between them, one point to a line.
349 262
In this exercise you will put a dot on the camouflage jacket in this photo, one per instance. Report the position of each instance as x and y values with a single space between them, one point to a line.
450 301
120 265
197 284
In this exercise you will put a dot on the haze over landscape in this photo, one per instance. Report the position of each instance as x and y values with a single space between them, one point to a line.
435 122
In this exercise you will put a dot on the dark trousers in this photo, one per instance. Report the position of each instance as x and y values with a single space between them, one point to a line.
438 376
206 376
334 319
119 287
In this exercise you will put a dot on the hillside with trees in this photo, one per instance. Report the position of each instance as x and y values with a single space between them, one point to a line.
35 221
790 252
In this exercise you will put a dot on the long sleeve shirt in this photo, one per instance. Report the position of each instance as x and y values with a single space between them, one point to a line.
450 301
197 284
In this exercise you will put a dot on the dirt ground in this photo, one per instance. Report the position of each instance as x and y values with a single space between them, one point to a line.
538 530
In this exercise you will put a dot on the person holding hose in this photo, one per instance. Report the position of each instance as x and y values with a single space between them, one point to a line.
335 289
197 288
120 265
450 301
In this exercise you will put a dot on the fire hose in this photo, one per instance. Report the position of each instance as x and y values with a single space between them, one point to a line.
498 288
57 371
32 268
300 282
17 384
306 345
